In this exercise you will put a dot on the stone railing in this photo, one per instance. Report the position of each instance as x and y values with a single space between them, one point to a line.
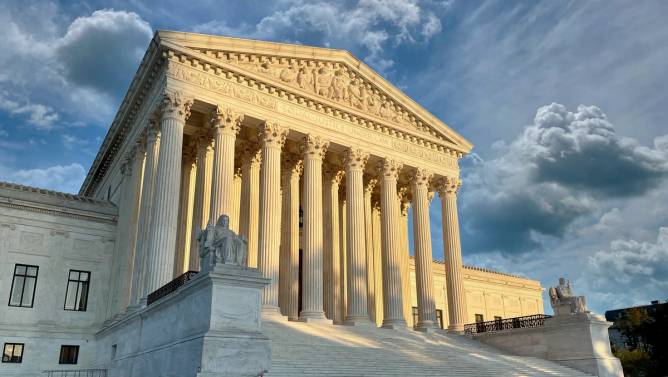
536 320
170 287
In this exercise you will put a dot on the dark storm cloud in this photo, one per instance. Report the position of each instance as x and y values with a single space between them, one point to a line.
555 172
102 51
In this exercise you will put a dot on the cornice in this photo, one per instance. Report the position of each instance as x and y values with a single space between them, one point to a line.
250 50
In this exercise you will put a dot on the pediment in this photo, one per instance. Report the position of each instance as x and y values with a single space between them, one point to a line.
333 76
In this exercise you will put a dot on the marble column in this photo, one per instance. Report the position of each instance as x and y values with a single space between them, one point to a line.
174 110
332 255
424 277
289 262
314 150
404 205
182 255
343 230
357 314
272 137
378 262
226 124
370 265
152 147
393 316
236 200
453 255
124 251
202 196
250 198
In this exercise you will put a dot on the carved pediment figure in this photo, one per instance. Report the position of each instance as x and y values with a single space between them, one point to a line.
305 78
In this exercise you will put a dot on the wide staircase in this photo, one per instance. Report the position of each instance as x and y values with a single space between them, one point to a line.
307 349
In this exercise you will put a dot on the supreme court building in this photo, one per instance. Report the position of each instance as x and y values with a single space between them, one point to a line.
315 158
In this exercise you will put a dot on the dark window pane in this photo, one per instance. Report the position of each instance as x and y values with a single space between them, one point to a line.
7 353
17 291
83 297
69 354
12 353
28 291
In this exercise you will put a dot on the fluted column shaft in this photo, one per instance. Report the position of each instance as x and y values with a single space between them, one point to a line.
250 199
393 316
147 189
343 231
378 262
226 124
404 205
236 200
289 263
356 238
164 220
181 259
332 253
202 197
423 254
272 137
453 255
370 265
314 150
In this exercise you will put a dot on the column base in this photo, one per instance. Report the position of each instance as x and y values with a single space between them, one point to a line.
429 330
394 324
322 321
456 329
357 321
427 326
272 313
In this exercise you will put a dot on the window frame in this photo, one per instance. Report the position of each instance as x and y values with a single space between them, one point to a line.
79 284
20 360
76 355
482 318
439 318
25 276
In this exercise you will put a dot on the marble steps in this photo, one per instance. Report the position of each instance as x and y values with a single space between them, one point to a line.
307 349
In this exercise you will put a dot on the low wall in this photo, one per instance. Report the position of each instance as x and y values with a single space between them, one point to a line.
523 342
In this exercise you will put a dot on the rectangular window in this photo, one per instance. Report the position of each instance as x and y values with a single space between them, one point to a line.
12 353
439 317
497 318
479 318
415 316
76 296
69 354
23 286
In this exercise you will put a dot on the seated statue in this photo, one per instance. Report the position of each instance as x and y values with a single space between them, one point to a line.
219 244
563 301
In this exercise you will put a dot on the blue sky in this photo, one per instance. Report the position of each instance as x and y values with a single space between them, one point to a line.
565 102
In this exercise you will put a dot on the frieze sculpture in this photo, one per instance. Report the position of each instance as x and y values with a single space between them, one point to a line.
219 244
564 302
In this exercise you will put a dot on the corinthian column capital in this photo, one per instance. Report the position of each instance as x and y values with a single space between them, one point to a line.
421 178
250 152
332 173
272 134
389 168
404 200
314 147
291 165
226 120
355 158
175 105
448 185
370 185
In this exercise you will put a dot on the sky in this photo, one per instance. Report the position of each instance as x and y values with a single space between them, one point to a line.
565 102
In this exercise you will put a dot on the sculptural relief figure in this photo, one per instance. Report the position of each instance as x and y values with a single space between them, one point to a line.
219 244
357 94
288 74
305 78
563 301
323 81
339 84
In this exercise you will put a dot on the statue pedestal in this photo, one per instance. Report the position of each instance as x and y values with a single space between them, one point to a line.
210 327
581 341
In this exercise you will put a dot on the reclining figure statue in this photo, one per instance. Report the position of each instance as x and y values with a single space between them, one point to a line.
563 301
219 244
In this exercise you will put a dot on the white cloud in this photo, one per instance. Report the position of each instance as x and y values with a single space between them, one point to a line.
370 24
38 115
65 178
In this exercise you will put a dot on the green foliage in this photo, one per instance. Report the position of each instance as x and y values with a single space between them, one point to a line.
647 339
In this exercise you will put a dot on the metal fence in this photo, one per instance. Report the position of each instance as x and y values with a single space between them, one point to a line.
170 287
76 373
536 320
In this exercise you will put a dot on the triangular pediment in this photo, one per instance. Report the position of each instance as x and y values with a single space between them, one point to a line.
333 76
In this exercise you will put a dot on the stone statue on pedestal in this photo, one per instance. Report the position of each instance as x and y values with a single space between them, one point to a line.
563 301
219 244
